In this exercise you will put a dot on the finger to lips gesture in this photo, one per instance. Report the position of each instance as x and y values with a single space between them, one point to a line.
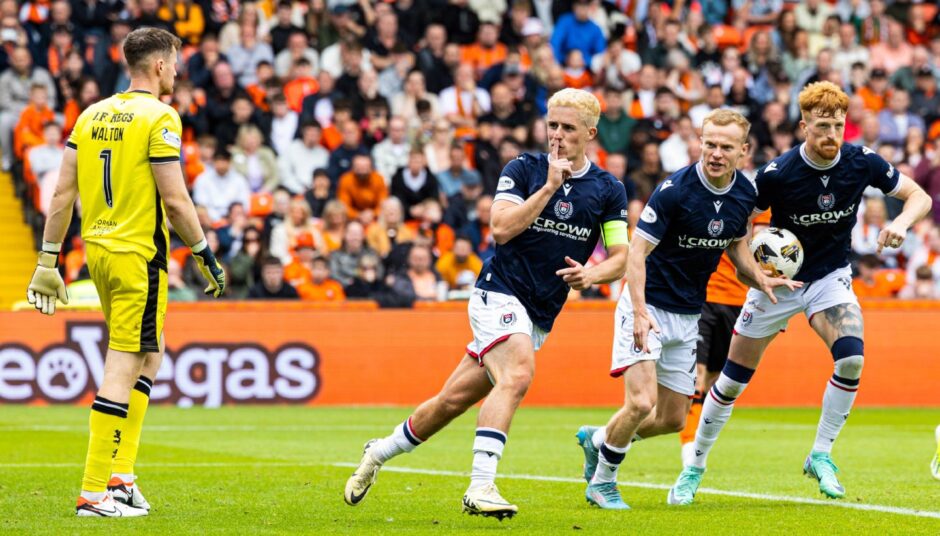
559 169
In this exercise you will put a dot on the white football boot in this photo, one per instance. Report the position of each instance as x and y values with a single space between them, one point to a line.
128 493
106 507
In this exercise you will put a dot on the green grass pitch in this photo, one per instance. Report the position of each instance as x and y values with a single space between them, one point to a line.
266 470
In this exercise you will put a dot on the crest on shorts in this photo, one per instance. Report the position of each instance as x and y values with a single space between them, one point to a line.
746 318
715 227
826 201
508 319
564 209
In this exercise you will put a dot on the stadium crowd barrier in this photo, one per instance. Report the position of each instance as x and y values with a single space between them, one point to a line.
265 352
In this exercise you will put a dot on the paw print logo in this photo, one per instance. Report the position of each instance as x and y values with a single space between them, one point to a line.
62 374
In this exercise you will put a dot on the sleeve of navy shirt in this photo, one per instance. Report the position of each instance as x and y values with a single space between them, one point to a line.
655 217
513 185
763 186
616 208
883 175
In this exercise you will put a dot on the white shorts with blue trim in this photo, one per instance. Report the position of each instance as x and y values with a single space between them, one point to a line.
494 317
673 348
761 318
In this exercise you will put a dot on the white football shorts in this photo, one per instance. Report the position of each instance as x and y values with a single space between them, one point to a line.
494 317
760 317
673 348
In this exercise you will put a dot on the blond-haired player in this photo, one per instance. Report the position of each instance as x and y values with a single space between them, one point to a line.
814 191
548 213
692 217
123 161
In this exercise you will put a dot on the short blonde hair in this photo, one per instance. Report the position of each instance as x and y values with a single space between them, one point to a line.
726 116
586 104
824 97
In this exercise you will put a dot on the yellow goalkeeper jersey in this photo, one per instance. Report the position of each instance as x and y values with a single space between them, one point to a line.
117 139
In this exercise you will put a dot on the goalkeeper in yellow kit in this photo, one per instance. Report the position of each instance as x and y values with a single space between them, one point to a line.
123 161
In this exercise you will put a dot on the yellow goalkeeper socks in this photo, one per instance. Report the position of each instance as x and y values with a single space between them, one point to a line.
130 442
105 426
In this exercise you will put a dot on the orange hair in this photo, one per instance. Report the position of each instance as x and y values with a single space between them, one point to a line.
825 98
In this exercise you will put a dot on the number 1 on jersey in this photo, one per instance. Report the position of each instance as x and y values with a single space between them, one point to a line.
108 194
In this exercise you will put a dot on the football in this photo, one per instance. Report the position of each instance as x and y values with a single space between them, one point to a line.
779 251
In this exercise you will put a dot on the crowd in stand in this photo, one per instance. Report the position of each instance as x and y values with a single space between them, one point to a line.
346 149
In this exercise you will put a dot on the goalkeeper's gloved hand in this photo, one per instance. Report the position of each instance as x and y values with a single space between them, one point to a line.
210 267
47 284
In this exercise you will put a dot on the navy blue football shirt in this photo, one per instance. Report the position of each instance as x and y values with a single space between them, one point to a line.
819 204
569 225
691 223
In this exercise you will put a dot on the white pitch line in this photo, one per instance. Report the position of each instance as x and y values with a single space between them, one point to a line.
542 478
710 491
365 427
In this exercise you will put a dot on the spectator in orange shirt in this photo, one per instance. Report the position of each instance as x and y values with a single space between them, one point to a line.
42 159
187 17
28 132
302 83
362 189
576 73
454 264
321 287
258 91
874 282
875 91
430 226
486 52
300 270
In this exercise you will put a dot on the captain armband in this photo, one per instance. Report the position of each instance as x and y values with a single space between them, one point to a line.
614 233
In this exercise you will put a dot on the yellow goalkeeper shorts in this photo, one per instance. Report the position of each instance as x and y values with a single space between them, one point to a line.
133 295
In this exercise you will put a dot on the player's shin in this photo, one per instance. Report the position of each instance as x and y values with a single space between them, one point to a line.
717 408
105 424
403 439
123 466
487 450
840 393
600 435
687 435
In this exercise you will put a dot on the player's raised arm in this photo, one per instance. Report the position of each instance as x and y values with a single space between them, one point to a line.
508 218
47 285
917 204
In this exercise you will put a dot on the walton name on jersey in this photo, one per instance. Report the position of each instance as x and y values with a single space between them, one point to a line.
101 132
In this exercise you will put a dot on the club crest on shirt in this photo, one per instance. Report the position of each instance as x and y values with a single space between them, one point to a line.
826 201
715 227
508 319
564 209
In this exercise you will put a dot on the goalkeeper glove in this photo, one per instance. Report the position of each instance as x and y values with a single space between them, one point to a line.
47 284
210 267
